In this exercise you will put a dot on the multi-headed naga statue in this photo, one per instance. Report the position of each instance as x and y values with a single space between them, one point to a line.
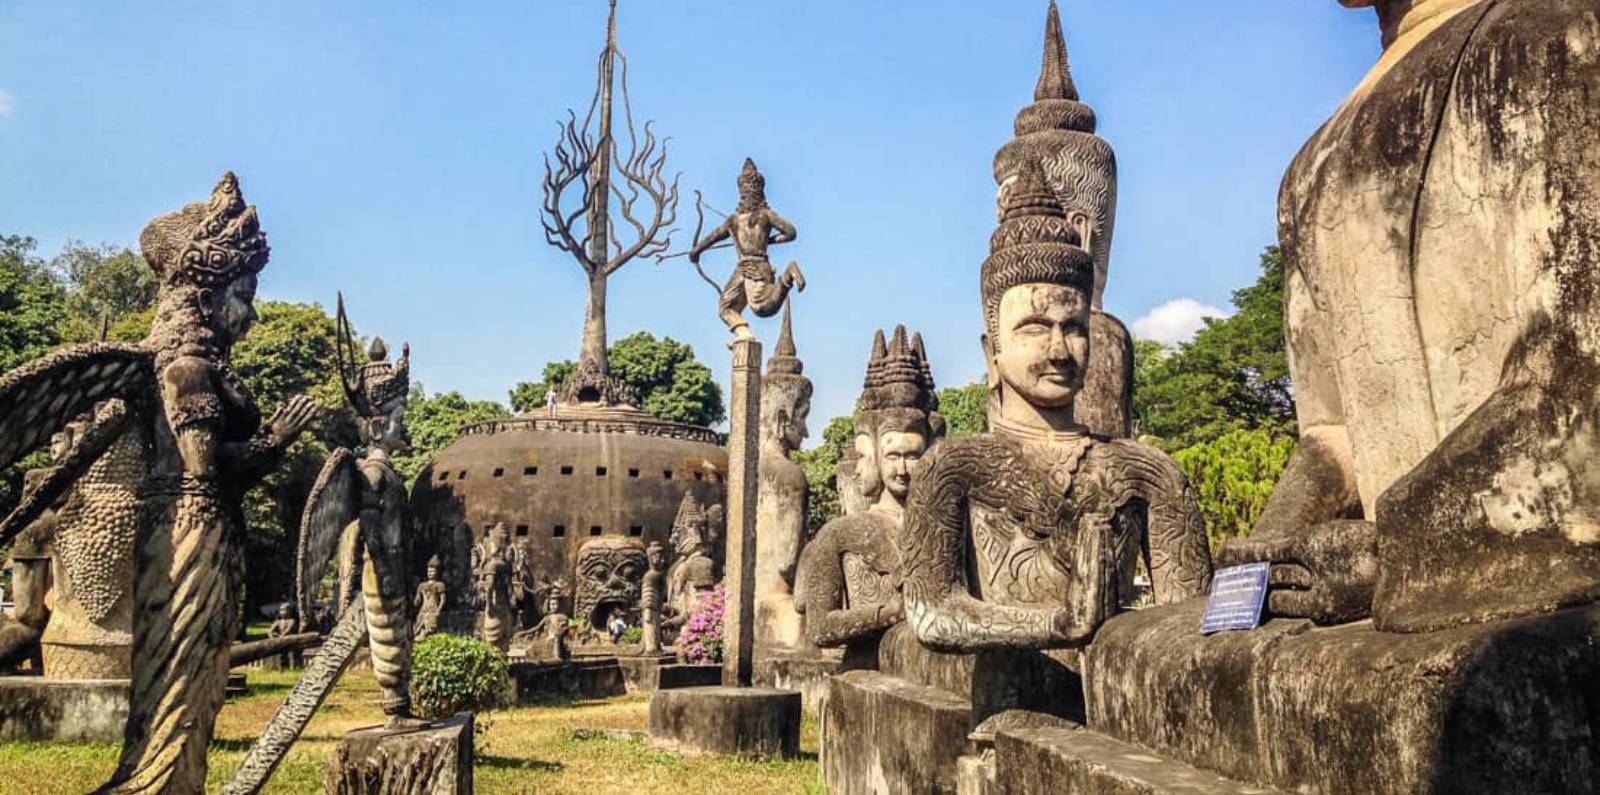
849 575
752 228
357 508
174 396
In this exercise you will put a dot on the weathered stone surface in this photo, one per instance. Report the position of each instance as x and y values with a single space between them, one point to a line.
730 721
804 670
1500 707
990 681
432 760
1051 759
882 735
642 673
534 682
64 710
681 675
782 494
739 615
1106 403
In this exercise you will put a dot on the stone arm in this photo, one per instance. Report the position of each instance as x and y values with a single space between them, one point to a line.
1179 552
821 583
782 230
250 461
934 549
715 236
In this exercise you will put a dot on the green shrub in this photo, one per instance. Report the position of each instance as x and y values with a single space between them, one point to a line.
451 674
633 635
1233 476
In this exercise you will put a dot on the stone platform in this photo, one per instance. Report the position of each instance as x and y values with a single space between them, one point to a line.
1502 707
62 710
883 735
600 677
649 674
805 670
728 721
1043 760
430 760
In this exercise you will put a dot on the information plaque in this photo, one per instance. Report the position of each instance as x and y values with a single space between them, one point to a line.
1237 594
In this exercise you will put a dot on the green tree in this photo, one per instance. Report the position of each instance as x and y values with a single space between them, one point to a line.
32 304
665 377
105 284
1233 475
434 421
821 466
965 410
1234 374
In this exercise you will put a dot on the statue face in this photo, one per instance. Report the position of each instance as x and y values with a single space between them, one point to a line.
898 454
794 433
1044 343
655 555
238 310
610 571
387 433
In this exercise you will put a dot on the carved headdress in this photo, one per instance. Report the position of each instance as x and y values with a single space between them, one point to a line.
209 244
689 528
752 187
375 386
1056 134
898 391
1035 242
784 368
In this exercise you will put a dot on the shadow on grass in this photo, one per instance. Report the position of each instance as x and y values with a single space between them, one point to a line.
509 763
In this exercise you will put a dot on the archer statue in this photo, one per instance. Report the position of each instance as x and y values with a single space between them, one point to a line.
754 282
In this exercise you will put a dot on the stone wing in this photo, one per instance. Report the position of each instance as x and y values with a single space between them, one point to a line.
333 504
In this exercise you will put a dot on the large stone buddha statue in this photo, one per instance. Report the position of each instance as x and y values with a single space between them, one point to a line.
1441 235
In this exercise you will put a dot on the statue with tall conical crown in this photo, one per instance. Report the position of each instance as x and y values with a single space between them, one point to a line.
782 494
848 580
753 227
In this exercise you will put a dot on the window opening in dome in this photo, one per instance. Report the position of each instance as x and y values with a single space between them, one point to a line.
666 474
595 530
633 472
499 472
462 476
530 471
636 530
445 475
566 470
522 530
699 476
599 472
561 530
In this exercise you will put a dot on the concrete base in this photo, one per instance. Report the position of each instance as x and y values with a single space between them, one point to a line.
535 682
883 735
805 670
728 721
64 710
431 760
641 673
1046 760
1501 707
679 675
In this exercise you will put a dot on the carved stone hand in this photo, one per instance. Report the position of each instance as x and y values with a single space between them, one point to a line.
1326 573
290 419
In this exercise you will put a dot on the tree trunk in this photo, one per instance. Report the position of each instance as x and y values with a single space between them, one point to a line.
433 760
593 350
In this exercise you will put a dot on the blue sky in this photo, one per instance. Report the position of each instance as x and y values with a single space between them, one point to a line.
393 150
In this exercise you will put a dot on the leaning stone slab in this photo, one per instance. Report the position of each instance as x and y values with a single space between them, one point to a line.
66 710
1053 759
727 721
1498 707
883 735
432 760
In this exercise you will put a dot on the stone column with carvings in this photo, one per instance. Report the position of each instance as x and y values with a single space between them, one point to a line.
738 629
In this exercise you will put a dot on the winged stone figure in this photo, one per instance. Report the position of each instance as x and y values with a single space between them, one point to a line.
356 512
201 445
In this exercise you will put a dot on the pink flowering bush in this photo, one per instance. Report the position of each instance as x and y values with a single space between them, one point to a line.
701 638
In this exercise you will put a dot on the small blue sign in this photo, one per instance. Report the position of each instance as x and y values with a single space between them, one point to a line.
1237 593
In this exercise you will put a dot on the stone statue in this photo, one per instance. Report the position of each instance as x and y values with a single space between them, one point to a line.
429 602
174 399
30 562
1028 536
610 572
693 572
849 574
286 622
1441 296
752 228
553 625
650 598
493 568
360 504
782 492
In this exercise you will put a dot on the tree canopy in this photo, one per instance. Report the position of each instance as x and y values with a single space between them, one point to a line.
434 421
664 375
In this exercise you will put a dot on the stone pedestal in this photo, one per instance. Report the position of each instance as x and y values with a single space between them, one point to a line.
744 418
62 710
1500 707
729 721
806 670
680 675
641 673
882 735
432 760
536 682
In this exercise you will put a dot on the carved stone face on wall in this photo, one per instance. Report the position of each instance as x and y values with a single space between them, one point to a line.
1043 344
610 571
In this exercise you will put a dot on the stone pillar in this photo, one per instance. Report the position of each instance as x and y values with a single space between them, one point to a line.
738 628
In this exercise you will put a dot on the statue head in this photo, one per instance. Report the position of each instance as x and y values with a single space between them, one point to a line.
689 528
433 568
376 389
656 555
752 188
610 571
1036 287
899 418
286 610
206 257
785 393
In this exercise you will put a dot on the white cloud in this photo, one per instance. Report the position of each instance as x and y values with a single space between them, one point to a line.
1175 321
6 101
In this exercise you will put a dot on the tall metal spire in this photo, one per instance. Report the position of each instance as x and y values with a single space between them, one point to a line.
599 214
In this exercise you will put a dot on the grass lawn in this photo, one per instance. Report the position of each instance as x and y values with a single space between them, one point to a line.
525 750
